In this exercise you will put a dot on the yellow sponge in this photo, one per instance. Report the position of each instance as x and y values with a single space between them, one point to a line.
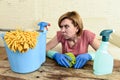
73 61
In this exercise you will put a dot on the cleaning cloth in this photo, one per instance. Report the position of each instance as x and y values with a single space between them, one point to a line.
73 61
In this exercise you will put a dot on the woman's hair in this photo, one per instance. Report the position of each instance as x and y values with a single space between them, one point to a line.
75 18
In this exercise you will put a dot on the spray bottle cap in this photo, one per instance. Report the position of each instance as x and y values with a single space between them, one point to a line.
43 25
105 34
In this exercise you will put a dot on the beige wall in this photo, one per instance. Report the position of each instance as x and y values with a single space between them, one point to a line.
96 14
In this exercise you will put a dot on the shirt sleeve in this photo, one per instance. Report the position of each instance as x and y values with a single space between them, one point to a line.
90 36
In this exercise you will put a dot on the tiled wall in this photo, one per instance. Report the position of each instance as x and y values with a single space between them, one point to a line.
96 14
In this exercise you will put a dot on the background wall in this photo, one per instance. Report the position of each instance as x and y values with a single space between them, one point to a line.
96 14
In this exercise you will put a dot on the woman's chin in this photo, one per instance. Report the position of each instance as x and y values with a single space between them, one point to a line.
67 38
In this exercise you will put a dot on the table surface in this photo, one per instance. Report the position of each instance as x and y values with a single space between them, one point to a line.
50 70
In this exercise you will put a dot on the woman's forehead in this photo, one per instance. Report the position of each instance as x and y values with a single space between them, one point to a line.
66 21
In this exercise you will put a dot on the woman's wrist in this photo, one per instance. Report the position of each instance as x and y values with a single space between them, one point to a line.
51 53
92 54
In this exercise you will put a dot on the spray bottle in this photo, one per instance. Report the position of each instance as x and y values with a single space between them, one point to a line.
43 25
103 62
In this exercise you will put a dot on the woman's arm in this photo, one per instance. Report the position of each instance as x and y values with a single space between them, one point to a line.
95 44
52 43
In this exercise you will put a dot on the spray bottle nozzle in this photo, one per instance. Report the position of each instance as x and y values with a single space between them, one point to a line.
43 25
105 34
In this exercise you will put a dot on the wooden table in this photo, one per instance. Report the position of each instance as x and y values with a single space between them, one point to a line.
52 71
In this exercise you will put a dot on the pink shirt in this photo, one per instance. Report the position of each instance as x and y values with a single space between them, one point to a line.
81 46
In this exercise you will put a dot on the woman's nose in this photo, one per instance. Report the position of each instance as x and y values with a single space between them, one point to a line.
63 29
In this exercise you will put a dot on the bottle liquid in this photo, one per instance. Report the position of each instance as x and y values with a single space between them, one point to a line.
103 62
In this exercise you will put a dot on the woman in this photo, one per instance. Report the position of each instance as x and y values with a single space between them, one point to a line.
73 39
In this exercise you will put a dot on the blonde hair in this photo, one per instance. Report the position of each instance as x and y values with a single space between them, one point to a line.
75 18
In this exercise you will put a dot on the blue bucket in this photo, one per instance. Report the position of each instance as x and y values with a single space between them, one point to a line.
31 60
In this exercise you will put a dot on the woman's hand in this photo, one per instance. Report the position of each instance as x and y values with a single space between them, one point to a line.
62 59
81 60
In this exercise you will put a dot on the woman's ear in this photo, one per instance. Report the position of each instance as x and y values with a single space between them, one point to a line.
77 28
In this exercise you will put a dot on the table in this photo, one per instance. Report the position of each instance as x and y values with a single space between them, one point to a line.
50 70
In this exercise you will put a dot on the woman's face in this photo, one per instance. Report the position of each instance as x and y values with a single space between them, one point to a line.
68 29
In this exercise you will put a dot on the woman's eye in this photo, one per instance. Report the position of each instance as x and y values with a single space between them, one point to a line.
61 26
66 26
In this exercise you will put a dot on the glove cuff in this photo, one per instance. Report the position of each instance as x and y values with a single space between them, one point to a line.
92 54
51 53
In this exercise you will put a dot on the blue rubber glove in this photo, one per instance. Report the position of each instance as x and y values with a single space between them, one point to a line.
81 60
62 59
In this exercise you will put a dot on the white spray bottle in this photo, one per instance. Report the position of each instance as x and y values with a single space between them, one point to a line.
103 62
